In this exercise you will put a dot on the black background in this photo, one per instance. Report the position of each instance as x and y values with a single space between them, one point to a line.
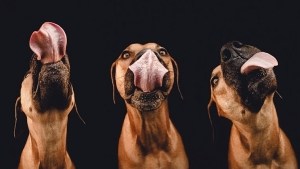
192 32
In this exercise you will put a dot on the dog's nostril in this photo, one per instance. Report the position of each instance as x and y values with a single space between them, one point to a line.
226 54
237 44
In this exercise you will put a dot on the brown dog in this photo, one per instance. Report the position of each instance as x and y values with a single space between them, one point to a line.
47 98
243 87
144 76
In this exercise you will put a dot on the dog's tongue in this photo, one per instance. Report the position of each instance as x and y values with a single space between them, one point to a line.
148 72
49 43
259 60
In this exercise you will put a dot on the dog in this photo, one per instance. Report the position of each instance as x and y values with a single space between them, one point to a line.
242 88
144 75
46 98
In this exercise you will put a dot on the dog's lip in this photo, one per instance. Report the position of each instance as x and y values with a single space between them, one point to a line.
259 60
141 91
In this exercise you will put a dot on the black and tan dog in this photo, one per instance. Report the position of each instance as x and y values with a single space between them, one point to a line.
242 87
46 98
144 76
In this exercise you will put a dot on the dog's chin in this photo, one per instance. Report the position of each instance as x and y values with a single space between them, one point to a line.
146 101
259 84
262 80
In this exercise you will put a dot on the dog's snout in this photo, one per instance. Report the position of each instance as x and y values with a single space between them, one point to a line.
140 54
231 49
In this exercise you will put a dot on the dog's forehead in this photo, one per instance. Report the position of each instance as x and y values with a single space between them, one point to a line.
216 71
139 47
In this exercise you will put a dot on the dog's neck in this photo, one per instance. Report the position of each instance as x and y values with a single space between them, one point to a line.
151 128
46 143
257 131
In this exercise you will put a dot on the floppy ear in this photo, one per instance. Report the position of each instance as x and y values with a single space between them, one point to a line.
211 101
176 71
20 119
112 75
75 106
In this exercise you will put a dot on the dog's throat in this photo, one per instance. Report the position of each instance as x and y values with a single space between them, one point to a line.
146 101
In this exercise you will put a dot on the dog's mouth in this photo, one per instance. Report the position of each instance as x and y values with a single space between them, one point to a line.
147 81
249 71
51 84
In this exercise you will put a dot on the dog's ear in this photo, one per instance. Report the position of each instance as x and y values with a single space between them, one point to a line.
211 101
20 119
75 106
112 75
176 74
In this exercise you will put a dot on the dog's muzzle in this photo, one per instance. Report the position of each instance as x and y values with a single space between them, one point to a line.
248 71
52 88
147 81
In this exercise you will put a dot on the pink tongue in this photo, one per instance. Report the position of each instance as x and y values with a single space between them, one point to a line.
148 72
259 60
49 43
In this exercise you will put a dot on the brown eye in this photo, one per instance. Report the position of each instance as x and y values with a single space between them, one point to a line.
214 81
162 51
125 55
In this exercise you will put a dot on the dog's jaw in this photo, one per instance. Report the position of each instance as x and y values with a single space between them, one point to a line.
145 101
254 87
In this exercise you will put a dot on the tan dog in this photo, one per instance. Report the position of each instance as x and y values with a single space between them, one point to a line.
144 76
47 97
243 87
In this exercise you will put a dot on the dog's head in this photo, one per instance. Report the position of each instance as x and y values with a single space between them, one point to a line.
243 80
144 75
46 86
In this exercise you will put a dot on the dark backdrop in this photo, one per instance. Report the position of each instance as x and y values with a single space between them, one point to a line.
192 32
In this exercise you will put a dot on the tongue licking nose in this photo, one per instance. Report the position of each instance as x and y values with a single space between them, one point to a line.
49 43
148 72
259 60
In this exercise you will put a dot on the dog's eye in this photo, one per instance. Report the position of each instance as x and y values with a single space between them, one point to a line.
214 81
125 55
162 51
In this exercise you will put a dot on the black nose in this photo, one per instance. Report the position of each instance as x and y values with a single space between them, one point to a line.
230 49
225 55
